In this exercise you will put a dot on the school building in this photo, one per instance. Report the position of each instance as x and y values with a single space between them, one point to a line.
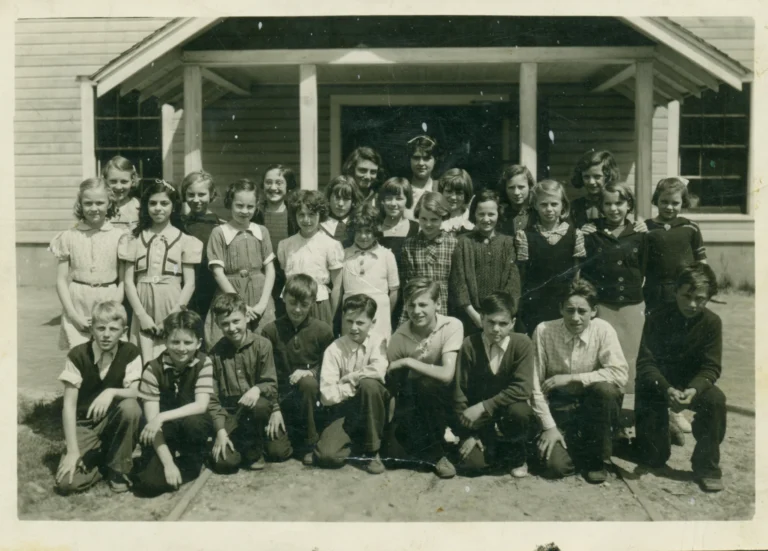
668 96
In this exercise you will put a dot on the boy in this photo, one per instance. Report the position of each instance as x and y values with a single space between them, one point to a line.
677 367
352 385
101 415
298 341
175 388
492 386
244 392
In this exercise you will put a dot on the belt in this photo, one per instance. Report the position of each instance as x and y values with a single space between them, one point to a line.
243 273
94 284
156 279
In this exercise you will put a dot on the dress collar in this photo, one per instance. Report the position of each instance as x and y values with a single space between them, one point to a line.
353 251
561 229
82 225
230 232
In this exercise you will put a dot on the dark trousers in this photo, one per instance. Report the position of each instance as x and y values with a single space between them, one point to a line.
246 429
514 422
108 442
652 429
587 422
189 437
357 422
299 407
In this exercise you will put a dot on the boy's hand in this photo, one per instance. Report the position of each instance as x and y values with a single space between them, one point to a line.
172 475
220 445
150 431
588 228
250 398
557 381
275 425
468 445
67 466
352 378
101 404
547 442
472 415
299 374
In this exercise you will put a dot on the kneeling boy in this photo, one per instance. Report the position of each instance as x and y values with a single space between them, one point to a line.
492 386
677 367
352 385
101 415
244 393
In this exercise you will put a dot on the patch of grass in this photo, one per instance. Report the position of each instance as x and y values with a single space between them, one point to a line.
724 282
44 418
746 288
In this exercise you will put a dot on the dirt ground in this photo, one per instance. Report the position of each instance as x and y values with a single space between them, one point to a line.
290 491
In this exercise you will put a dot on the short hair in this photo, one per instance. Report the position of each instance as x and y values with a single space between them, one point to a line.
396 187
365 215
582 288
625 192
591 158
87 185
484 196
287 174
109 310
361 154
301 287
120 163
699 275
313 200
550 187
195 177
498 302
457 179
344 187
244 184
360 303
228 303
185 320
417 286
510 171
424 144
672 185
433 202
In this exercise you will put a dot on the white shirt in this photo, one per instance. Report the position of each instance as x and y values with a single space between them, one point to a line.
345 356
71 374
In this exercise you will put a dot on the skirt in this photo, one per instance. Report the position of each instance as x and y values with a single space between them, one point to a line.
84 297
158 299
321 310
628 321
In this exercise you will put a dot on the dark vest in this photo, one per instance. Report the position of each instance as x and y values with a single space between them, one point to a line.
176 389
550 268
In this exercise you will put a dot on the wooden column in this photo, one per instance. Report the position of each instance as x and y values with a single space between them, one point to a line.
87 128
170 123
673 138
528 122
754 113
193 119
308 125
644 137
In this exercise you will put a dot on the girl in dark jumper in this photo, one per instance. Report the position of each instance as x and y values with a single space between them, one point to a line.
514 189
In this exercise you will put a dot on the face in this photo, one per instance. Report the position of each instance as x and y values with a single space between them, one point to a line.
455 200
690 301
486 217
670 204
518 190
615 208
297 310
422 310
356 325
309 222
243 207
422 165
498 326
119 182
549 207
106 333
429 222
160 207
198 196
275 186
365 238
394 205
234 326
593 179
182 346
365 173
577 313
95 203
340 207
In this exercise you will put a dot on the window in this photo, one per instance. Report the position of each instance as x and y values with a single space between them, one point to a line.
714 149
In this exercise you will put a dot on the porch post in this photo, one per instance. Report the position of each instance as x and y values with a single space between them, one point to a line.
193 119
673 138
308 125
87 128
170 124
528 122
644 136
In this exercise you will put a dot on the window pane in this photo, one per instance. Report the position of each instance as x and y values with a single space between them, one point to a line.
690 131
689 162
150 108
711 103
106 105
150 133
712 162
718 196
735 101
712 131
736 130
734 162
152 163
106 133
128 106
129 132
691 106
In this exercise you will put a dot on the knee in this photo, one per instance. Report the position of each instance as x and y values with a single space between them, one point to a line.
129 409
65 488
518 413
559 464
262 410
370 387
197 428
279 449
227 465
713 398
328 457
308 386
604 392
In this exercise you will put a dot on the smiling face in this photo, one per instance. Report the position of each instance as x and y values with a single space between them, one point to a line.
365 174
577 314
106 333
234 326
356 325
365 237
518 190
455 199
243 207
690 300
297 310
198 196
160 207
486 217
670 205
422 165
339 206
549 206
615 207
275 186
94 203
182 345
498 326
308 221
593 179
430 223
394 205
422 310
119 183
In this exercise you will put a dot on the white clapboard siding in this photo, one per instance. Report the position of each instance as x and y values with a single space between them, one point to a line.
734 36
49 55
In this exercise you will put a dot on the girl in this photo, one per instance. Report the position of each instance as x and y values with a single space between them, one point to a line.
483 262
594 170
615 265
241 259
370 268
364 165
88 271
422 151
514 189
456 186
342 196
547 255
673 241
123 181
429 253
313 252
160 266
199 190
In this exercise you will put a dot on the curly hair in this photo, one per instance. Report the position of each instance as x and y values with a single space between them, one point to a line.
593 158
366 216
699 275
185 320
484 196
433 201
312 200
153 188
584 289
89 184
363 154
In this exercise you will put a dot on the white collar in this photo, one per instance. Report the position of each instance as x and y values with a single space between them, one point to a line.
230 232
504 344
98 352
82 225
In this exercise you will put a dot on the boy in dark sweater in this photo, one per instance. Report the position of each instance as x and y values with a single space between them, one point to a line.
677 367
244 392
492 386
101 415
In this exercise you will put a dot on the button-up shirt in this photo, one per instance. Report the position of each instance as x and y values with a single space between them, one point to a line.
316 256
345 356
595 356
495 352
91 252
103 360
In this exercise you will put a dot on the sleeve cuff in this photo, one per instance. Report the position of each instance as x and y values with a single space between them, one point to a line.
489 406
700 384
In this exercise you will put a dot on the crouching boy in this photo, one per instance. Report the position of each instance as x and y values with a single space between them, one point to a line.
175 388
101 415
677 367
492 386
352 385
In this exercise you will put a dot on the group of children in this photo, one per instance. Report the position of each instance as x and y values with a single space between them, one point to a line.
380 319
